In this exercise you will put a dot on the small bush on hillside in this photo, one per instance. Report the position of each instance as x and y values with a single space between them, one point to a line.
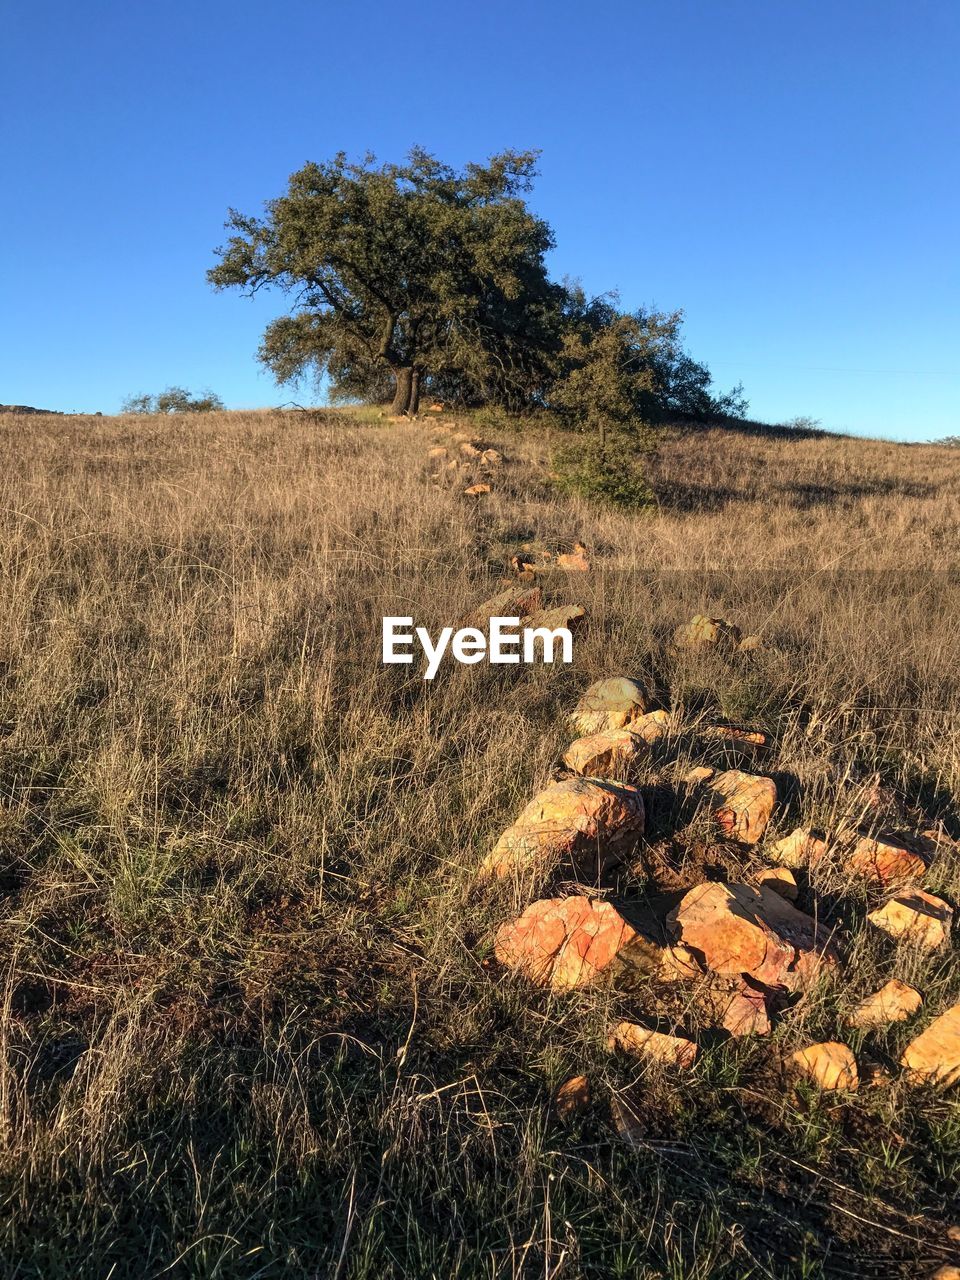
803 424
609 472
173 400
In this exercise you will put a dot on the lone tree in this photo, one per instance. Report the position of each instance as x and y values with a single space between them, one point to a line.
403 272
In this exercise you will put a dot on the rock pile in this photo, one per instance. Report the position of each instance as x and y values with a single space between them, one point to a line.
745 950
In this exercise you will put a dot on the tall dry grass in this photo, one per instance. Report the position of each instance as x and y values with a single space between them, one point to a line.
250 1024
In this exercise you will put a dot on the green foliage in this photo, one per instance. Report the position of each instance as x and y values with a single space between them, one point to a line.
418 277
608 470
416 271
172 400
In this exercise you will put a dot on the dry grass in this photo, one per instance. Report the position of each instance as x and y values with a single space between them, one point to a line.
250 1027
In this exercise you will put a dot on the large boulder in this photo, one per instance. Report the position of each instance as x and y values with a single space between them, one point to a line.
735 929
745 803
609 704
563 943
934 1056
590 823
614 753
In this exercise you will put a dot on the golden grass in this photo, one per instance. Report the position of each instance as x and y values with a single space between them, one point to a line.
250 1025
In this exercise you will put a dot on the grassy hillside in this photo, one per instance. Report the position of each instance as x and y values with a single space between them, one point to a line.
251 1022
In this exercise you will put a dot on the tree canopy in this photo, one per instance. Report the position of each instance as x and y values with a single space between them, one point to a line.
415 276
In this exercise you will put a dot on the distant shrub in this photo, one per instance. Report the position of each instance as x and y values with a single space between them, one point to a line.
803 424
610 472
952 441
173 400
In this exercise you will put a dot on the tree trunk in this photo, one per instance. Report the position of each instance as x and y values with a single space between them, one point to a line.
414 405
401 399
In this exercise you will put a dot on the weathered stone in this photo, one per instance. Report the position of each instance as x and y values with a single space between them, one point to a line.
700 773
781 880
737 929
475 490
563 943
572 1096
736 736
438 451
517 601
702 632
491 458
799 849
609 704
564 615
746 804
883 861
749 643
934 1056
678 964
736 1006
575 561
591 822
655 1045
652 726
615 753
830 1066
915 916
894 1002
471 448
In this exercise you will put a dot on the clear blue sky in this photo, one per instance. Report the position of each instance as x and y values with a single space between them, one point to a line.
784 170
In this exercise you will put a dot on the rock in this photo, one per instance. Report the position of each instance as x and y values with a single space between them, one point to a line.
894 1002
946 1272
615 753
516 602
799 849
747 803
915 916
565 615
735 929
700 773
953 1233
471 448
934 1056
702 632
781 880
609 704
659 1047
652 726
576 561
475 490
886 862
749 643
736 1006
678 964
590 822
830 1066
736 736
572 1096
438 451
563 943
491 458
